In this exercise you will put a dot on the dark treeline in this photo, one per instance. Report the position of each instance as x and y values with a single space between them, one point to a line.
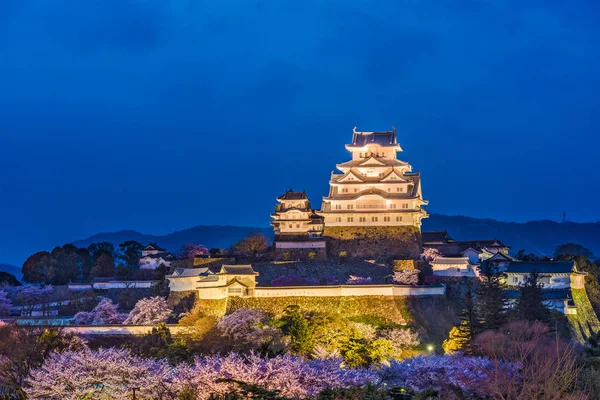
69 263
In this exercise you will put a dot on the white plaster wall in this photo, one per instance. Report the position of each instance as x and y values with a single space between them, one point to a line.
347 290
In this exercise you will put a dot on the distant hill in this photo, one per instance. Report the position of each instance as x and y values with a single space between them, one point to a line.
12 269
210 236
539 237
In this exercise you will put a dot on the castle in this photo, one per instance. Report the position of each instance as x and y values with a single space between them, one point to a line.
374 207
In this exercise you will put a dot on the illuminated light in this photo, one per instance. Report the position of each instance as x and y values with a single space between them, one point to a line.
430 348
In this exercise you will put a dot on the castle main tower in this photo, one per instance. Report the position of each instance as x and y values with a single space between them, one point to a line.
374 188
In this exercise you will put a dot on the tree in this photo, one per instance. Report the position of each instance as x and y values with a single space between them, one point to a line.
105 266
66 264
252 246
130 254
460 336
214 252
492 306
299 330
190 250
30 297
571 250
25 348
401 339
530 305
105 313
250 329
8 279
109 374
149 311
36 268
406 276
429 254
5 303
547 366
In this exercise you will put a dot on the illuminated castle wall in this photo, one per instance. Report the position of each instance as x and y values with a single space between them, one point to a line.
374 188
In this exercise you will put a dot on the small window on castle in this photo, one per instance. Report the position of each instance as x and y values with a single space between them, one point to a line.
515 279
362 219
345 190
398 189
355 190
350 219
405 205
338 206
338 219
386 219
389 189
398 219
298 226
374 219
350 206
393 205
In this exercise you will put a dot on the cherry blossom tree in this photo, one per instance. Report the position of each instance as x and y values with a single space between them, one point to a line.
401 339
295 377
406 276
359 280
104 374
105 312
34 297
191 250
149 311
429 254
249 329
5 302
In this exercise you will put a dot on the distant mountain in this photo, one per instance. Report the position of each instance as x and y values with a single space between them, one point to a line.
12 269
539 237
210 236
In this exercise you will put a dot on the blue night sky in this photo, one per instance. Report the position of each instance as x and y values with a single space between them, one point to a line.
157 116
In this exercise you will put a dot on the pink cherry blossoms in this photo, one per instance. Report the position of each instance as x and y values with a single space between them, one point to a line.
149 311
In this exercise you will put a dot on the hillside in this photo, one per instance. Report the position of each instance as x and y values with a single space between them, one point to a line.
539 237
209 236
11 269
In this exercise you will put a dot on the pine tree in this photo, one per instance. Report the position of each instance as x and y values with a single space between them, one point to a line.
491 306
530 303
460 336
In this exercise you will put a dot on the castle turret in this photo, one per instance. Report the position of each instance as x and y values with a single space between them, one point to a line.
295 223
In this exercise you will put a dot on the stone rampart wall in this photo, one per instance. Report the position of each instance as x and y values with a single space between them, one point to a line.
402 242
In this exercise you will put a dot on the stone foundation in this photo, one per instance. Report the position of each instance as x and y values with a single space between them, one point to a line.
400 242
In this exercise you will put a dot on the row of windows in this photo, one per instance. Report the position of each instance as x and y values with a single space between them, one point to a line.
351 206
398 190
364 219
367 155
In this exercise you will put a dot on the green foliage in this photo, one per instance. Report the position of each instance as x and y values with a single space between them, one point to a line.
460 336
491 304
343 254
130 253
585 323
160 344
530 305
301 333
312 255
